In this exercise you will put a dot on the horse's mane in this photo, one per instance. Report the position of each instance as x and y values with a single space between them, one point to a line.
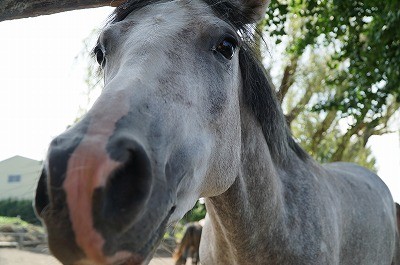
259 93
260 96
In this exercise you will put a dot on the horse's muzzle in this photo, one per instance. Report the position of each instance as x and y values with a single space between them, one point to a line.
89 193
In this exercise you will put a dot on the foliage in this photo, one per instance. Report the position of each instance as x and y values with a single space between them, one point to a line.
335 83
306 127
93 76
365 37
321 133
197 213
21 208
4 220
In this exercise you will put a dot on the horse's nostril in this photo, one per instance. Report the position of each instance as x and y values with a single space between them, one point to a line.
41 198
127 190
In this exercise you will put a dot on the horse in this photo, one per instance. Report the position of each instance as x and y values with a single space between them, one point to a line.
189 245
187 111
398 216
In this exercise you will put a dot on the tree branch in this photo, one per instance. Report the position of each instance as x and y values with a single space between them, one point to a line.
345 139
288 78
379 125
322 128
300 106
15 9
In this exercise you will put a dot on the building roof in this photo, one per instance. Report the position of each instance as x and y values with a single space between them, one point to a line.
20 160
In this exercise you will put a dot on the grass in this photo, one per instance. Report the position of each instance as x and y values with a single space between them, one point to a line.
4 220
17 222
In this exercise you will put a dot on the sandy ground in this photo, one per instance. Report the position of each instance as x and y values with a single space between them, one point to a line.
19 257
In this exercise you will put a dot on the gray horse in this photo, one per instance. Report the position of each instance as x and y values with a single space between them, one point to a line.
187 112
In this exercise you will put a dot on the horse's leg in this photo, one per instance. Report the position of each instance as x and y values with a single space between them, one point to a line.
195 258
180 261
396 260
191 252
185 255
397 254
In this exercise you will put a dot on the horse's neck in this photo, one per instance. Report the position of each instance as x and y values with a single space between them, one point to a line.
249 218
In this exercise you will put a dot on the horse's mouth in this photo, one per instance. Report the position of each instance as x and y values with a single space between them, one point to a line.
155 240
129 258
149 248
129 261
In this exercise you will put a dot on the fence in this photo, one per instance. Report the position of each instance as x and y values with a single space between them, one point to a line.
19 240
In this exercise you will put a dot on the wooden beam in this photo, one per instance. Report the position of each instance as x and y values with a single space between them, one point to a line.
14 9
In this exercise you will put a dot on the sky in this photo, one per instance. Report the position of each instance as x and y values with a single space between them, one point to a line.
42 82
42 87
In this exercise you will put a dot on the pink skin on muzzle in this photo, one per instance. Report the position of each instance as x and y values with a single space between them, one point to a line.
89 168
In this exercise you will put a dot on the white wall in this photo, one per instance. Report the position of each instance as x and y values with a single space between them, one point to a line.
28 169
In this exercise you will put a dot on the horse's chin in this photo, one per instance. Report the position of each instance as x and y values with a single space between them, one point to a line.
130 261
124 256
121 259
134 259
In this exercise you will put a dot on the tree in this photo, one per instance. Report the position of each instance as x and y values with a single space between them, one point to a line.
197 213
21 208
93 76
364 35
353 46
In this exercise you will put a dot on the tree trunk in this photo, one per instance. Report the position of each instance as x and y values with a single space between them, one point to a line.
288 78
344 141
14 9
300 106
379 125
322 128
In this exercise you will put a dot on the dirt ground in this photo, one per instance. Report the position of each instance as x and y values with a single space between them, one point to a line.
10 256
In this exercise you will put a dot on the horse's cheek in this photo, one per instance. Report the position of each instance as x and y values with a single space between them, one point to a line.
223 171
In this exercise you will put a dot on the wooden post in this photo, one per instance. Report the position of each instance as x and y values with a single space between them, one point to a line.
20 240
14 9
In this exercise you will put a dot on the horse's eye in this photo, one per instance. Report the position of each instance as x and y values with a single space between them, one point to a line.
227 47
101 60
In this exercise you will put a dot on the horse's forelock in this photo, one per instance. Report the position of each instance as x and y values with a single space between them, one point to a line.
225 9
123 10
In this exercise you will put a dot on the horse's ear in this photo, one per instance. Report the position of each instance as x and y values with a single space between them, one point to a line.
253 9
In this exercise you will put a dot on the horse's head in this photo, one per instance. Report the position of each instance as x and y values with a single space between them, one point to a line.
164 132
